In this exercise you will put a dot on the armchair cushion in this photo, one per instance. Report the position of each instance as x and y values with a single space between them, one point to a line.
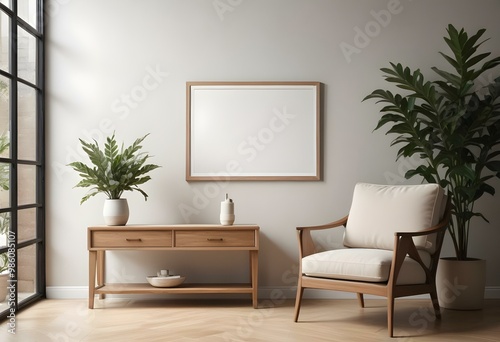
378 211
360 264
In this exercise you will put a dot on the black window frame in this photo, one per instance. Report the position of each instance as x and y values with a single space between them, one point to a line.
14 305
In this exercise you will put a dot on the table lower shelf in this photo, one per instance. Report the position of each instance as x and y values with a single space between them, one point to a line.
143 288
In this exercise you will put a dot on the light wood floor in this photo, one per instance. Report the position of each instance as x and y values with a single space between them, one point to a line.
235 320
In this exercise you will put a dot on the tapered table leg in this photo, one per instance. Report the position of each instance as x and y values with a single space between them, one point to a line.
92 273
101 262
254 272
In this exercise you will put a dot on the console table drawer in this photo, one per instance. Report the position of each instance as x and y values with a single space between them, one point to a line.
213 238
132 239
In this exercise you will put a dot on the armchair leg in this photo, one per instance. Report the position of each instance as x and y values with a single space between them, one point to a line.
361 299
298 300
390 316
435 303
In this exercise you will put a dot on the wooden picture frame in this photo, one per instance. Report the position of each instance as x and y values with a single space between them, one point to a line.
253 131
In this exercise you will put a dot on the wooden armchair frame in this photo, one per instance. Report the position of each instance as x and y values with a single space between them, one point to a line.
403 246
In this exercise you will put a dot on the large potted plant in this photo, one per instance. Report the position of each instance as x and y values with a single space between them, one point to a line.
453 124
112 171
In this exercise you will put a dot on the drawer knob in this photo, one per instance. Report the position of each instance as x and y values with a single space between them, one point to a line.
131 240
215 239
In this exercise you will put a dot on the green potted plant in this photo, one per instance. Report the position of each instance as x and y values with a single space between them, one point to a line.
453 124
112 171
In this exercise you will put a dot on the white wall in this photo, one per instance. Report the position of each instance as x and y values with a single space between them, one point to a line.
101 52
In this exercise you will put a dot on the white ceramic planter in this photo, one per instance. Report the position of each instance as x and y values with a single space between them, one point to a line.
115 212
461 283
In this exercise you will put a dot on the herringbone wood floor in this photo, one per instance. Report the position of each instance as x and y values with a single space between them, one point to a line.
235 320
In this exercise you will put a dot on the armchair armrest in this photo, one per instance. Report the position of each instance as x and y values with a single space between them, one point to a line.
306 244
404 245
334 224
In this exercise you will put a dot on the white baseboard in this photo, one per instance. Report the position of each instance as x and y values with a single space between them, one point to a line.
272 293
492 292
67 292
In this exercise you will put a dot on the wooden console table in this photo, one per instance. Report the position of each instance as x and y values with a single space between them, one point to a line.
172 238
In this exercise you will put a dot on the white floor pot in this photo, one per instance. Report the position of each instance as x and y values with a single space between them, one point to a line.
461 283
115 212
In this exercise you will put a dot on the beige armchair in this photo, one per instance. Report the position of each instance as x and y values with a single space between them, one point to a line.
393 237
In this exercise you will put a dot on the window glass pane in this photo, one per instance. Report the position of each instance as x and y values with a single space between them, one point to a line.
26 187
26 56
6 3
4 229
4 185
4 152
26 122
26 10
4 41
26 271
4 118
26 224
4 277
4 145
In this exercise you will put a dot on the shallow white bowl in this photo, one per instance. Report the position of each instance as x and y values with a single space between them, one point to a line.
165 281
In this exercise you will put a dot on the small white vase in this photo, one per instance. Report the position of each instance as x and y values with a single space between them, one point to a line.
227 212
115 212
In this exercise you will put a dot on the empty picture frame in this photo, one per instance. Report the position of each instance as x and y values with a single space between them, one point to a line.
253 131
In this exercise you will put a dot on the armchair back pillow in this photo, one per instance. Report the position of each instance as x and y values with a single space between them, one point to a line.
378 211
